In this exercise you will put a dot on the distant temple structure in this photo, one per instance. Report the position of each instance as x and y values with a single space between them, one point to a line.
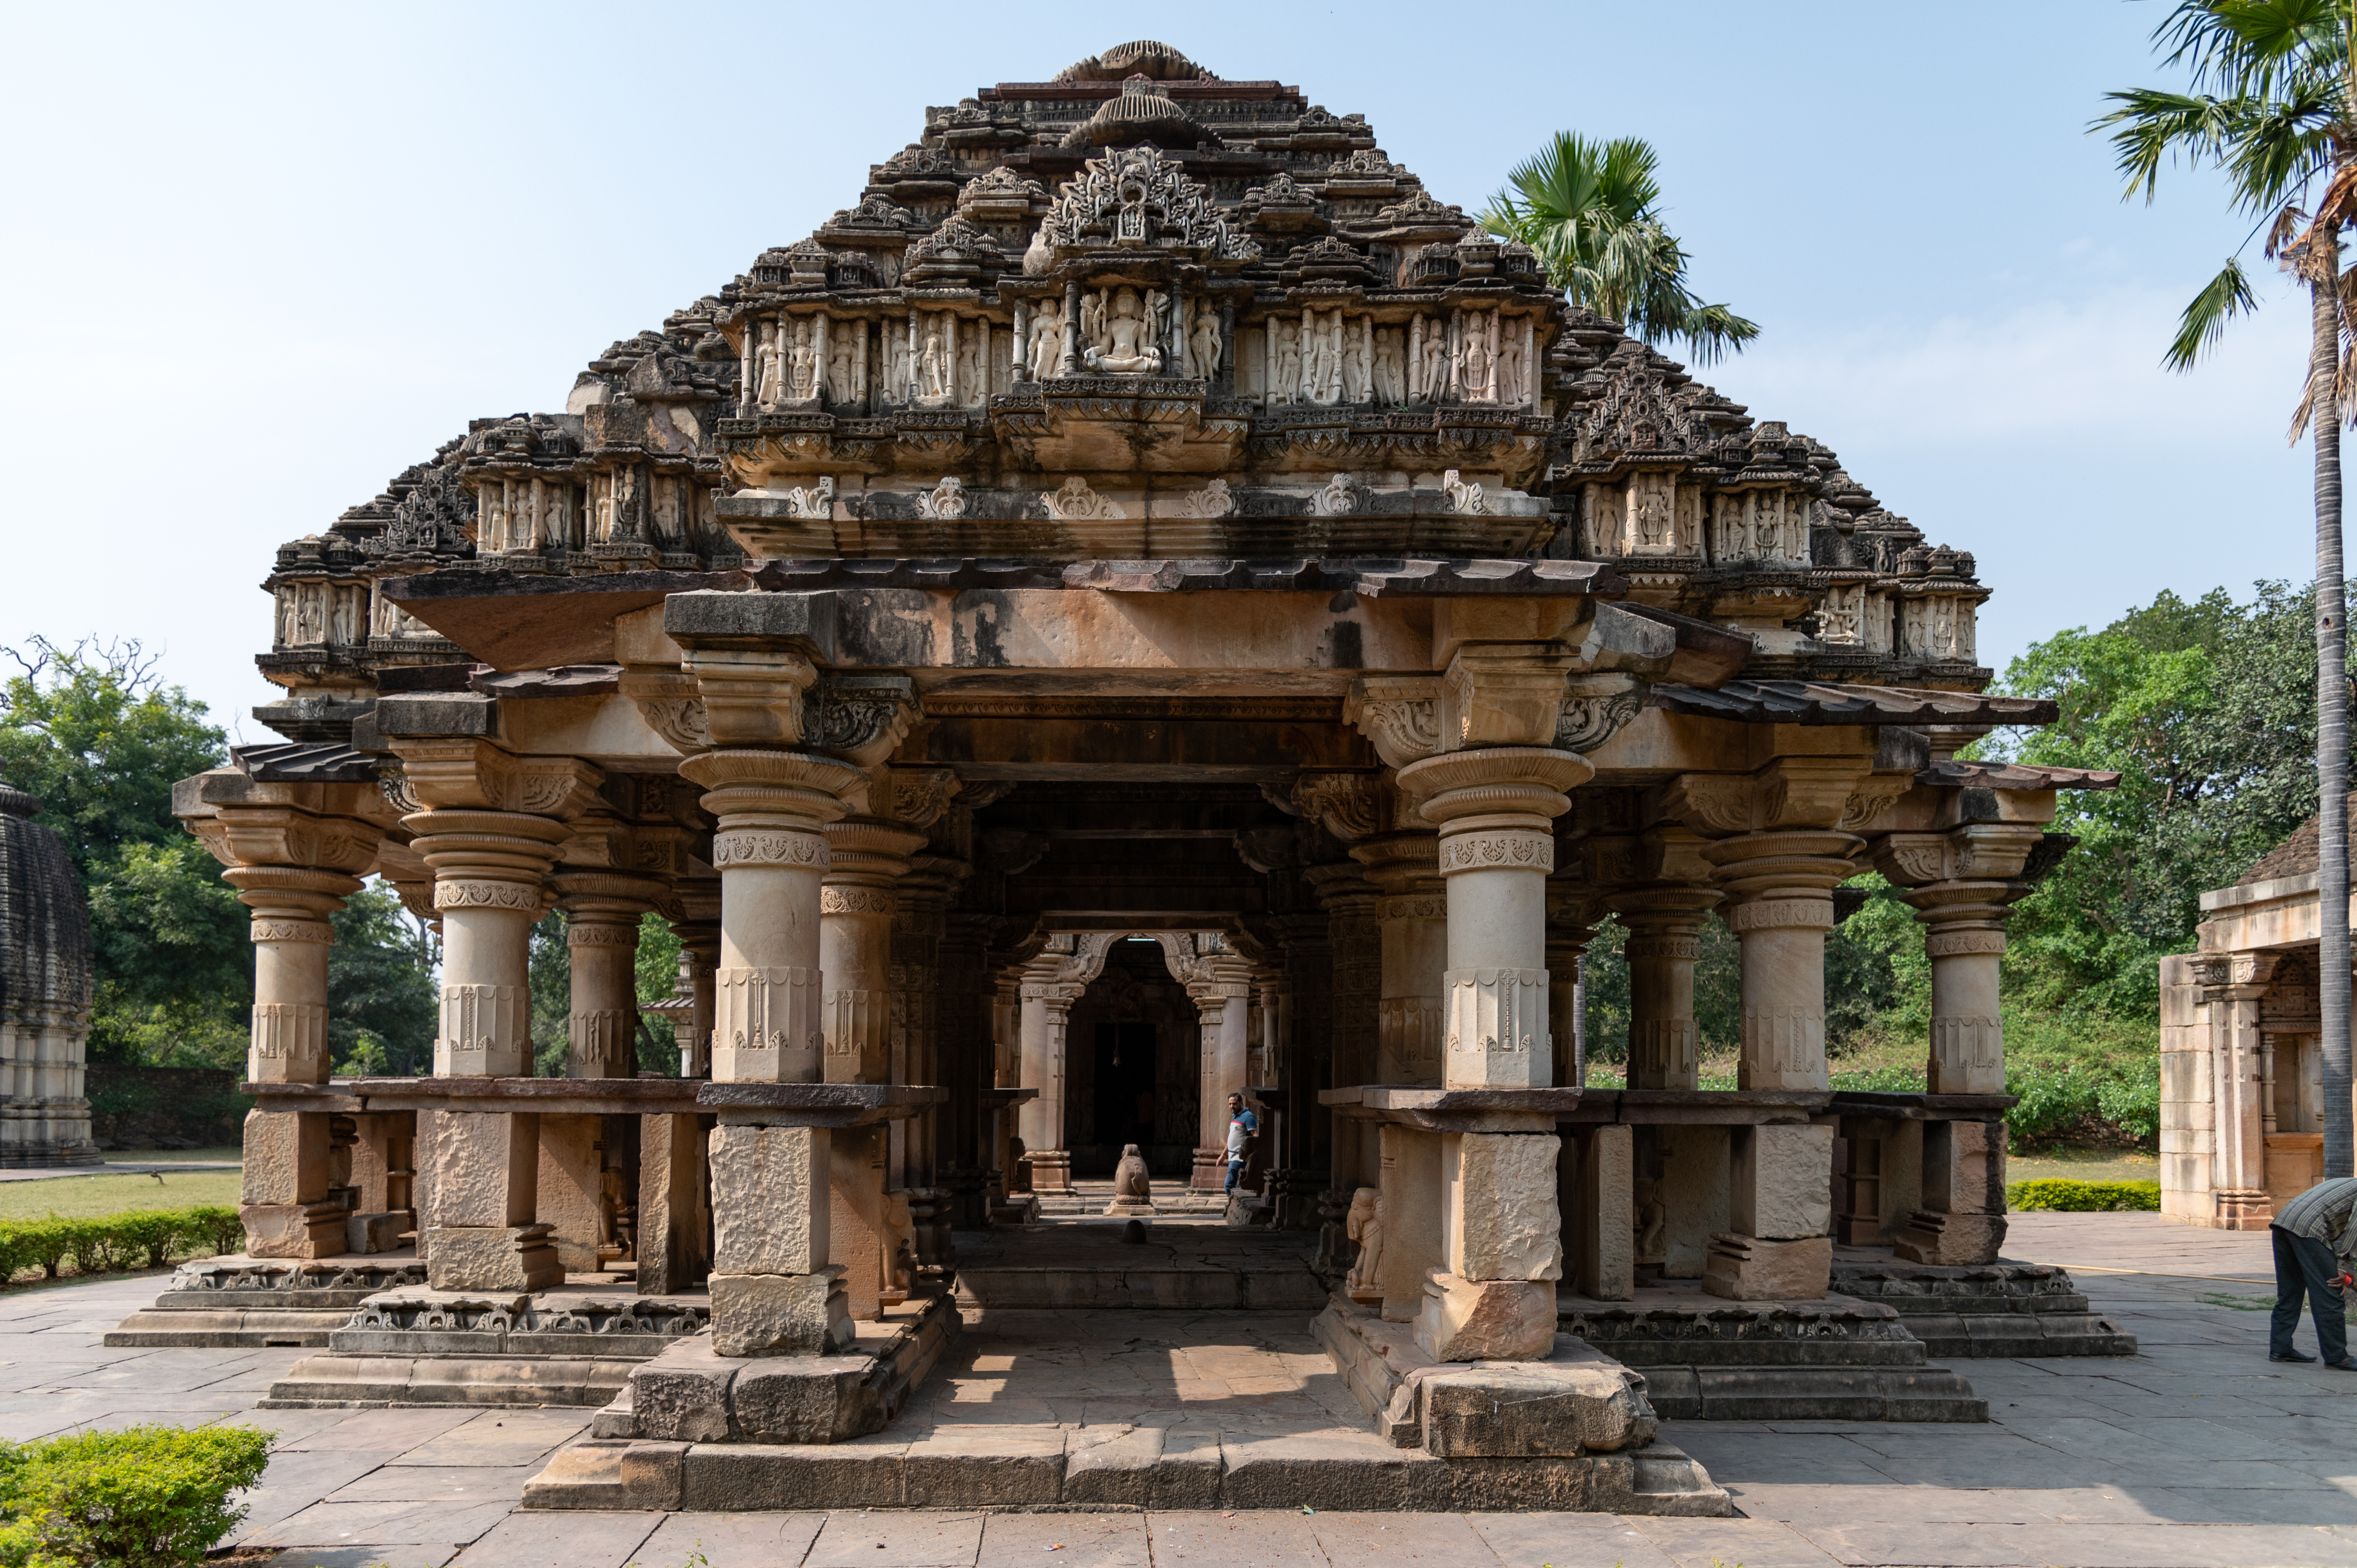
2242 1060
45 979
1146 605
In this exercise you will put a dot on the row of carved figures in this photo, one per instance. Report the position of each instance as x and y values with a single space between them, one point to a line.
1326 357
533 515
315 612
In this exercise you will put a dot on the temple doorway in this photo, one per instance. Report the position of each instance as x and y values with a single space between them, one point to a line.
1133 1066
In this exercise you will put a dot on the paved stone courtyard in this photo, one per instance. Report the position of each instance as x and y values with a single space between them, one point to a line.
2197 1451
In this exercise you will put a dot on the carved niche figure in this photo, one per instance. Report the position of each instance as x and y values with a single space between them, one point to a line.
1356 373
839 375
1157 317
969 373
1322 370
772 382
801 366
1047 340
343 615
1390 367
604 526
896 366
1652 500
1284 361
1122 345
1511 390
310 615
1475 362
1092 314
1840 618
945 502
285 635
1432 373
667 507
1364 1225
933 370
1203 342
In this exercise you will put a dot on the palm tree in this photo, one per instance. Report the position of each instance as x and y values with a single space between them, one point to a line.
1591 210
2271 110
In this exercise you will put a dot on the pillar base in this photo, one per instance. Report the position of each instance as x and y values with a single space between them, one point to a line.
2239 1208
1209 1170
1745 1268
492 1257
1486 1320
1931 1237
1051 1172
294 1230
781 1315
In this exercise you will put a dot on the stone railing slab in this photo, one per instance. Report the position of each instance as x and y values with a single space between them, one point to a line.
1438 1110
816 1104
552 1096
1699 1107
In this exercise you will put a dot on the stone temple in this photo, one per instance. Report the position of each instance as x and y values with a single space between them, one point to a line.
1146 604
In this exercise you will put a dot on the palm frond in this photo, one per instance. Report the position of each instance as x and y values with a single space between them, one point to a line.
2222 299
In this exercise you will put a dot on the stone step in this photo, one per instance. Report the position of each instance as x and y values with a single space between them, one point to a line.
337 1380
221 1328
1021 1468
2004 1308
1686 1327
240 1300
1811 1393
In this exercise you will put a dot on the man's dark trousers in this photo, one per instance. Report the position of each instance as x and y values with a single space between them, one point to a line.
2305 1265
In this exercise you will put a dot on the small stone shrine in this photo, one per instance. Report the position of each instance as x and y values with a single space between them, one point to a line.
1146 604
45 979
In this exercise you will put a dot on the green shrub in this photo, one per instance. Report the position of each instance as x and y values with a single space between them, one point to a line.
2061 1192
146 1497
143 1238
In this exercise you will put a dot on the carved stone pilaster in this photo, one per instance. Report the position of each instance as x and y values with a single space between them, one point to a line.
1963 884
1781 886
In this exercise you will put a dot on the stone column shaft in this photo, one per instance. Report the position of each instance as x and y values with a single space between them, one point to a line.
601 938
1412 916
1040 1121
1783 885
291 936
1664 940
487 870
1493 1296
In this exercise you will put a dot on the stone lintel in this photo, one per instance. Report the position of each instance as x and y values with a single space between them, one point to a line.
1436 1110
1907 1107
815 1104
550 1096
338 1098
1704 1107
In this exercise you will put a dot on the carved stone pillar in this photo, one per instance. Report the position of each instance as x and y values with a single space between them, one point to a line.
1962 883
1354 942
1783 883
964 1050
2232 985
1412 920
1047 1003
1222 999
293 869
698 929
601 936
1665 915
1307 1040
490 828
1573 910
1493 1298
776 1286
867 857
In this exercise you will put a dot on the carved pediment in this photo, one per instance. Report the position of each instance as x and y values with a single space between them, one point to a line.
1133 198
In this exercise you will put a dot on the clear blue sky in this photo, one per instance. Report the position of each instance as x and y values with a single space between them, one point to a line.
262 258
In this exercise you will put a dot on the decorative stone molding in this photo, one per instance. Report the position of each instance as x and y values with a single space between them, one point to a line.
486 1031
1496 1032
1782 1049
1078 504
756 846
672 704
483 894
1591 719
1664 1053
473 775
263 929
921 795
603 1044
1399 714
855 901
1672 947
1502 695
1481 851
767 1026
1949 944
1782 914
1435 908
1409 1033
287 1037
861 717
1874 795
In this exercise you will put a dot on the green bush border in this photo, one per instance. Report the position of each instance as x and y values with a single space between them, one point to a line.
144 1496
2066 1194
141 1239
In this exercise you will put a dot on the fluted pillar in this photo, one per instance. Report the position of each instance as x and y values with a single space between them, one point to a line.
1412 922
698 929
1222 1001
291 933
1353 1005
1493 1297
1047 1004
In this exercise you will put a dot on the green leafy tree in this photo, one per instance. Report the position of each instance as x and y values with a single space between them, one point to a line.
95 732
2272 106
1591 211
383 1007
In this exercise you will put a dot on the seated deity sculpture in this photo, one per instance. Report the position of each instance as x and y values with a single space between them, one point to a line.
1124 346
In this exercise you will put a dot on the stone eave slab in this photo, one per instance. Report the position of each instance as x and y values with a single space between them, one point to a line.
816 1104
1438 1110
1699 1107
1908 1107
552 1096
513 620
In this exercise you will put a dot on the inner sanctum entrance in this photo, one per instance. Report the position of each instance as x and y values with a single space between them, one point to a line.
1134 1045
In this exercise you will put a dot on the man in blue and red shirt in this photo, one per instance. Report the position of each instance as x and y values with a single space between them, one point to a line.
1243 1128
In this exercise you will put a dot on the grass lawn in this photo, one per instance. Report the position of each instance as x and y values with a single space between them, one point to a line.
79 1197
2085 1164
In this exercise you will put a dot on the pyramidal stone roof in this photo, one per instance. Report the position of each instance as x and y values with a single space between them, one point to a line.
1137 311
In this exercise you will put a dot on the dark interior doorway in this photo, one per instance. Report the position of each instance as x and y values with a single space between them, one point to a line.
1124 1105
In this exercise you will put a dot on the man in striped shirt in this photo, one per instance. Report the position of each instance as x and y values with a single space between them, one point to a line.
2316 1256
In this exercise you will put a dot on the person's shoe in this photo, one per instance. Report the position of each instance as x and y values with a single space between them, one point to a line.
2343 1365
2289 1356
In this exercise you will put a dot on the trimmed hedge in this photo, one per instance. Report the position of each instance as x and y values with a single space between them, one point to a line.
145 1497
143 1239
2061 1192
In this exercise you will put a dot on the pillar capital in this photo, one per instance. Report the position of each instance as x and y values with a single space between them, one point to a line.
1522 788
1790 793
1405 864
472 774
